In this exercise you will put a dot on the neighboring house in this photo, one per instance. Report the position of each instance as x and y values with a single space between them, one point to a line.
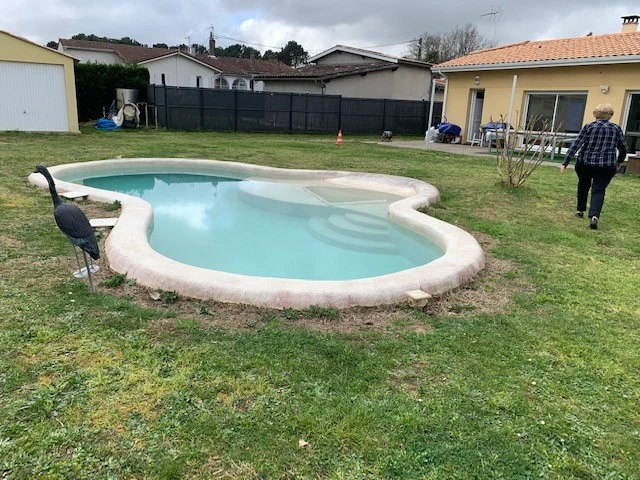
356 73
173 67
37 87
560 81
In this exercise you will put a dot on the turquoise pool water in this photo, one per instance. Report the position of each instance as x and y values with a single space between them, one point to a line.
273 228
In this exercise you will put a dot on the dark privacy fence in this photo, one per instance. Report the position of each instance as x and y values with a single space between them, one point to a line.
184 108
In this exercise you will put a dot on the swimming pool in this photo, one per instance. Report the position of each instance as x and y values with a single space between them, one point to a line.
351 238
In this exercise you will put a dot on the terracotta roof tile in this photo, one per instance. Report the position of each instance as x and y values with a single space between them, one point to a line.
331 71
243 66
588 47
137 54
128 53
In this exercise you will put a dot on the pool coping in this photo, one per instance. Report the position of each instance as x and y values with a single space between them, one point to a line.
128 251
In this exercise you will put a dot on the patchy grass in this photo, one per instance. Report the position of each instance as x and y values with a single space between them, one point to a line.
528 371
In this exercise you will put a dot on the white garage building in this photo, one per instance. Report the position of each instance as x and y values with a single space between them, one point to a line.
37 87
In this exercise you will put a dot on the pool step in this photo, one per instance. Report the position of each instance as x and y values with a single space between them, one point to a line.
341 224
325 230
366 220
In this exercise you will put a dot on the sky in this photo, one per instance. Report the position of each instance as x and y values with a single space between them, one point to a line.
384 26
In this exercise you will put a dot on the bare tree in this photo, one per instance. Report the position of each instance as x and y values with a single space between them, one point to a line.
443 46
516 163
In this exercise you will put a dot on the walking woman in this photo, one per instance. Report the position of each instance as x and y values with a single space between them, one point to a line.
597 161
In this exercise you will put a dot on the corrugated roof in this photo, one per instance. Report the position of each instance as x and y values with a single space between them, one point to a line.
576 48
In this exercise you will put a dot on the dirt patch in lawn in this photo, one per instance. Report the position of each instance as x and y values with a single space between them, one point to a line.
488 293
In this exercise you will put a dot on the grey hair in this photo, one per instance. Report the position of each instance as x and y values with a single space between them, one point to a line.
604 110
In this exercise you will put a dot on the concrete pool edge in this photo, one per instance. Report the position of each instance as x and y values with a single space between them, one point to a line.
128 251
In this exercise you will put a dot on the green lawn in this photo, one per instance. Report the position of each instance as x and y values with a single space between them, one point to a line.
539 381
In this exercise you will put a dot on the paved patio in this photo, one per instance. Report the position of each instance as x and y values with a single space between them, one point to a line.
459 149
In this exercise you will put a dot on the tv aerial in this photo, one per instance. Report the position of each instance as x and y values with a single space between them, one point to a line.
495 13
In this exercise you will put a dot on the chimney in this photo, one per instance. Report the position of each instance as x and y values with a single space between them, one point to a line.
212 44
630 23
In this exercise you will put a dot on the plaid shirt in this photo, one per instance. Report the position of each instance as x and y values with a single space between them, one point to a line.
597 143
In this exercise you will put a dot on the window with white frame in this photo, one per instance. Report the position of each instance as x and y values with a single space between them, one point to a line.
159 79
221 83
239 84
563 111
632 121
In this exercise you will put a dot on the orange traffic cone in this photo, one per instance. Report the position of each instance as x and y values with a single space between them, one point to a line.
339 140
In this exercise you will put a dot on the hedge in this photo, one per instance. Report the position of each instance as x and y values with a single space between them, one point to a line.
96 86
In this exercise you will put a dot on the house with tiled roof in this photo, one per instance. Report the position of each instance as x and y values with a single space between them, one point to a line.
559 81
356 73
173 67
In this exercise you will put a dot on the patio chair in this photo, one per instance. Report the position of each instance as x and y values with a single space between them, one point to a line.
478 138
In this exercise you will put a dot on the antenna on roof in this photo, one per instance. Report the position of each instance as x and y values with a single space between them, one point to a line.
495 13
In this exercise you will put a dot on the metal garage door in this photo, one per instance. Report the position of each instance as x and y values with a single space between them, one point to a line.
32 97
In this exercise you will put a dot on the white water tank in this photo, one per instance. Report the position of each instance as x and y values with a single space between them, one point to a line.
126 95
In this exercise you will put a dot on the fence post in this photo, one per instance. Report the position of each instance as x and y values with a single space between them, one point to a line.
384 114
306 112
291 112
235 110
425 119
166 107
340 113
201 108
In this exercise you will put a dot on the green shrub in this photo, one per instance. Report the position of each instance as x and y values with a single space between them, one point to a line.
96 86
168 297
114 280
112 207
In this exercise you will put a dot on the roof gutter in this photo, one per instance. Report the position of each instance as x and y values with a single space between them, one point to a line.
576 62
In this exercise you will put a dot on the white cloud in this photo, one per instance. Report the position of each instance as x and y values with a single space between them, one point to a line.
315 25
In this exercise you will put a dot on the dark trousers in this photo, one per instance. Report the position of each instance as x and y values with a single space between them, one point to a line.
595 179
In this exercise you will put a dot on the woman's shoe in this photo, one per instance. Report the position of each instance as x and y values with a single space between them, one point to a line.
594 223
580 214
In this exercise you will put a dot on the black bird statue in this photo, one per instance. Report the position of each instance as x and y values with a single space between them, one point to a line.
73 223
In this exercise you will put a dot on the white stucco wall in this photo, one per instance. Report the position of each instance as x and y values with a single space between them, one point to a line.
406 83
411 83
178 71
292 86
372 85
91 56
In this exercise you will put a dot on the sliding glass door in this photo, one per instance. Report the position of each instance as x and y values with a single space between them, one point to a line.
563 111
632 122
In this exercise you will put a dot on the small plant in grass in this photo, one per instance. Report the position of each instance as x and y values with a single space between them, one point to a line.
516 165
315 311
461 308
114 206
291 314
131 282
114 280
203 309
269 318
168 297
